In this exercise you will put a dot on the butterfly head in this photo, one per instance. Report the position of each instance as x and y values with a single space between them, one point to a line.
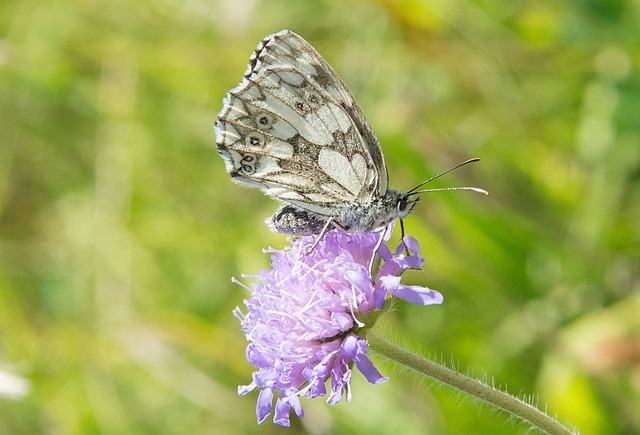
404 205
394 205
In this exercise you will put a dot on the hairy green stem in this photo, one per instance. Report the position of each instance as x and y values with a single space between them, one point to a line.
473 387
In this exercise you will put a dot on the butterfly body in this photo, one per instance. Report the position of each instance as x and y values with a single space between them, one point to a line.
357 217
293 129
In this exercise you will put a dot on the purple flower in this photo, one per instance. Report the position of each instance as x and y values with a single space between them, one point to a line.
307 315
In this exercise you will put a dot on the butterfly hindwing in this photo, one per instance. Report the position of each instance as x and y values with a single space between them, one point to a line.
293 129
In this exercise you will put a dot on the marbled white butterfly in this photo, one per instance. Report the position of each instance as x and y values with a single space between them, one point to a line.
293 129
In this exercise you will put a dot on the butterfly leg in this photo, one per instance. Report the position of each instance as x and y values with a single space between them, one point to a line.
406 250
326 228
374 254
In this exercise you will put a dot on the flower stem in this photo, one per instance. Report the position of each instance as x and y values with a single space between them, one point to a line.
474 387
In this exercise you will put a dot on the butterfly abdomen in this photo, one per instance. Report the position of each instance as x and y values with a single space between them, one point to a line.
294 220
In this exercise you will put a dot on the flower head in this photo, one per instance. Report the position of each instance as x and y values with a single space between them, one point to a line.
306 317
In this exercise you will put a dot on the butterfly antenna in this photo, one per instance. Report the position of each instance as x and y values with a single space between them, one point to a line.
414 191
441 189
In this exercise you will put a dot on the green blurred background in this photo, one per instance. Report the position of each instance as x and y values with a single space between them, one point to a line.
120 229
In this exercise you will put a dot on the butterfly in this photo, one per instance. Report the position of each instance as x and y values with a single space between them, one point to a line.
293 129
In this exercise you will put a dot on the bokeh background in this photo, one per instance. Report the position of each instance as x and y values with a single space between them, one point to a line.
120 229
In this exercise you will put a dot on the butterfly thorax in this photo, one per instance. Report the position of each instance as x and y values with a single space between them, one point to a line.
378 213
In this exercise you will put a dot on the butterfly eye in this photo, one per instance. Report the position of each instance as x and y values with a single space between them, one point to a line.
402 204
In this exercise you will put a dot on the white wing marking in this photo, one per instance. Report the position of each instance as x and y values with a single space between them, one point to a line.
291 77
337 166
359 168
339 114
282 129
328 119
318 197
315 207
231 160
280 149
319 128
229 134
287 180
286 194
266 165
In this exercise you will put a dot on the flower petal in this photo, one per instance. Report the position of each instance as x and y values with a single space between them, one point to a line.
245 389
412 245
369 371
411 293
264 405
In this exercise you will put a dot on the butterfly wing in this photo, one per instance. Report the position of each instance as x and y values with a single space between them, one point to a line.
293 129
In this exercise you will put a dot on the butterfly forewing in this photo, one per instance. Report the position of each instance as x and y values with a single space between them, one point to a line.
293 129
